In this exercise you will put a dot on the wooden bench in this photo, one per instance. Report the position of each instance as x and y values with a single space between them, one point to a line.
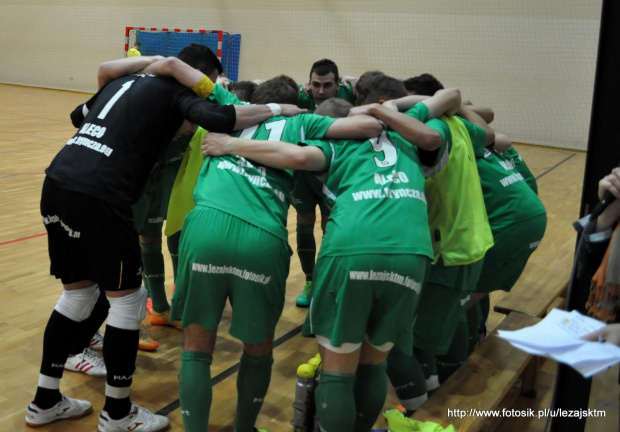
482 381
534 293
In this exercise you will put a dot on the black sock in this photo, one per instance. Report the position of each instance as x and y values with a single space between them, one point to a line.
120 349
89 326
57 341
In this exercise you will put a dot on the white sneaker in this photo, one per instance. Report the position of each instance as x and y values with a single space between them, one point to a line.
67 408
97 341
88 361
139 419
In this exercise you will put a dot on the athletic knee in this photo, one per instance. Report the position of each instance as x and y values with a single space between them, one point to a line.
260 349
127 311
78 304
197 338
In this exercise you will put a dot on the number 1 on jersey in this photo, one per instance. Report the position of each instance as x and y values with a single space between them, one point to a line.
114 99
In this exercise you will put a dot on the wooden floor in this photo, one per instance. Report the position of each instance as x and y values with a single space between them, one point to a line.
34 125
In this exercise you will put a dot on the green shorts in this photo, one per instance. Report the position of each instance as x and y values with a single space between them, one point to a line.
308 193
505 261
223 257
442 301
372 297
151 209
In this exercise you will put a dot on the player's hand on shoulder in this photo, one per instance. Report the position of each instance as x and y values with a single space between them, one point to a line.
305 88
290 110
349 80
216 144
364 109
390 104
223 81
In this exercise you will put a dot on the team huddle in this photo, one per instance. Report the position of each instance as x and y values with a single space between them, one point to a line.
425 210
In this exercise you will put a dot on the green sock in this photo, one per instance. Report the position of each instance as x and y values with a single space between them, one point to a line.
173 248
153 274
408 380
306 248
195 393
457 353
370 391
252 385
335 402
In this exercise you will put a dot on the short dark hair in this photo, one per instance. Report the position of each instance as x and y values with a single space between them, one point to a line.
382 87
423 85
323 67
334 107
137 44
243 89
277 90
363 85
202 58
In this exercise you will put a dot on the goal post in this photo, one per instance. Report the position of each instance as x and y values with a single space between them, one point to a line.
169 42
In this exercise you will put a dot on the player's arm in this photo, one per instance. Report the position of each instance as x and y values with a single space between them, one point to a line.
411 129
474 118
354 127
251 115
183 73
443 102
113 69
487 113
349 80
502 142
275 154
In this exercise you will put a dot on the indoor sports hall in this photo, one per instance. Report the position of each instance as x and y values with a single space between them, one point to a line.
548 69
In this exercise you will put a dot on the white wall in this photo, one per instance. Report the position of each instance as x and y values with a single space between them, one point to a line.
532 61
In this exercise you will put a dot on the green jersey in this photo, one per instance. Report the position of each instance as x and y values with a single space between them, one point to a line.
181 197
376 189
344 92
512 155
252 192
507 196
221 96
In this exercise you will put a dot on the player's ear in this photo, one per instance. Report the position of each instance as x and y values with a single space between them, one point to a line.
381 101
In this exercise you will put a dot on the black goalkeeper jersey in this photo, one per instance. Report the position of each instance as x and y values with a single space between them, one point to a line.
123 129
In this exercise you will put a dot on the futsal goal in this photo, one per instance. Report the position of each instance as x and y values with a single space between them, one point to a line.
169 41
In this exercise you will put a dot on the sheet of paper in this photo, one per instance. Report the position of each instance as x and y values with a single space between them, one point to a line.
558 337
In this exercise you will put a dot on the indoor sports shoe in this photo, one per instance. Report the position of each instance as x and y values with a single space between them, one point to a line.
303 300
67 408
146 343
88 361
260 430
139 419
96 341
163 319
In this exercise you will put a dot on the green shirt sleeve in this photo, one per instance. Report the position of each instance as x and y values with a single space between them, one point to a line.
436 159
315 126
328 150
221 96
419 112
